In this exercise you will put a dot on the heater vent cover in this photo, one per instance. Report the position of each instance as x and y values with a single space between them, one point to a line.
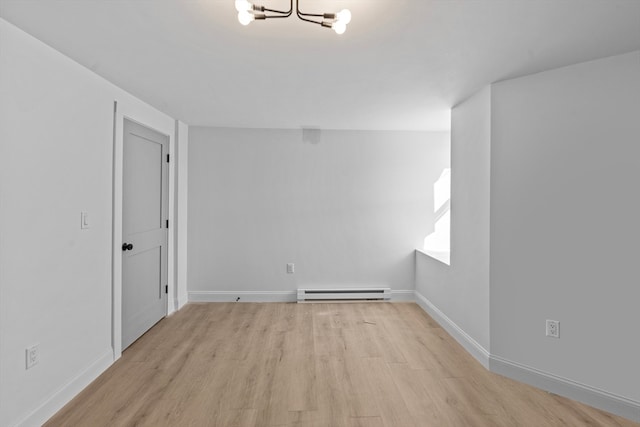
342 294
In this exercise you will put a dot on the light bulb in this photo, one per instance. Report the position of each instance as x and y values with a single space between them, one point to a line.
245 17
339 27
243 5
344 16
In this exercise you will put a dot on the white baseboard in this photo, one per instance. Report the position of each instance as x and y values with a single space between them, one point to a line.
562 386
568 388
62 396
464 339
245 296
271 296
403 296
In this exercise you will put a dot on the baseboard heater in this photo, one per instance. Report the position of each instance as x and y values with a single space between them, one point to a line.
344 295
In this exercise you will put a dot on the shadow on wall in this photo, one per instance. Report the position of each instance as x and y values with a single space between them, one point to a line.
438 243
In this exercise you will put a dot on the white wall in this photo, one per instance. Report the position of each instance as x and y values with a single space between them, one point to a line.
565 208
460 292
348 210
545 170
182 162
56 160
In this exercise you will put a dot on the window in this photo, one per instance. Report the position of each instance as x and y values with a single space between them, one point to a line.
438 243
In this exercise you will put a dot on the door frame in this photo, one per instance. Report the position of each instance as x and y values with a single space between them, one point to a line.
144 115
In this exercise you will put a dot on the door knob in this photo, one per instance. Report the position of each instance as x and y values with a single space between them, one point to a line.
127 246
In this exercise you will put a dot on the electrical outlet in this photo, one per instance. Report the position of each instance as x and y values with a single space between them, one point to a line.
32 356
290 268
553 328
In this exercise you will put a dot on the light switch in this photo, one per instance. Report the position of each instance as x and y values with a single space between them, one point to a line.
84 220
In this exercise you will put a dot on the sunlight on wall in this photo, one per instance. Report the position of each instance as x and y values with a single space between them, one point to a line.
438 243
442 190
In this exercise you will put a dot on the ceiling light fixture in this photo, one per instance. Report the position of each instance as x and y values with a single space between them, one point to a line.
248 12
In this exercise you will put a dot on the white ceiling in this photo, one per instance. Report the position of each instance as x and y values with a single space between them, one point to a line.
402 64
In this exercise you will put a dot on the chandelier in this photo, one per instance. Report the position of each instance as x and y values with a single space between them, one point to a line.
248 12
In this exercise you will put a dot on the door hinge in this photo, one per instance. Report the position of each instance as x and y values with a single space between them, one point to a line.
167 223
166 289
167 158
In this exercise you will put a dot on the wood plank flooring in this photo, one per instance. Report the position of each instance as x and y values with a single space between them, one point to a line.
316 365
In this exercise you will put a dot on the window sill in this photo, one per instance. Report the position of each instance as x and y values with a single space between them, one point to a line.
442 257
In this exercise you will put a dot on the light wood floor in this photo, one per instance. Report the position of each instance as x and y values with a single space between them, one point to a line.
326 365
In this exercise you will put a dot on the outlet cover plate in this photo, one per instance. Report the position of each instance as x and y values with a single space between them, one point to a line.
32 356
553 328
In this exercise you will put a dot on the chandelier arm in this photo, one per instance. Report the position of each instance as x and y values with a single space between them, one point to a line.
319 15
283 13
301 14
309 20
276 16
311 14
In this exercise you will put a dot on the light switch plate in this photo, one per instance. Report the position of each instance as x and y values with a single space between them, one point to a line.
84 220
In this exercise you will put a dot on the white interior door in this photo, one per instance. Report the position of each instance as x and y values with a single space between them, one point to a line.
144 230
